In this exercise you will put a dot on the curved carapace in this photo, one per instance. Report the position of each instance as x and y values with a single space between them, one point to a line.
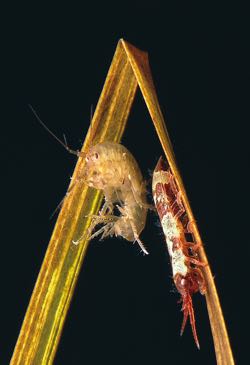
110 167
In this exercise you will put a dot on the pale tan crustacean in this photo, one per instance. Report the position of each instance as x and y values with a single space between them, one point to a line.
110 167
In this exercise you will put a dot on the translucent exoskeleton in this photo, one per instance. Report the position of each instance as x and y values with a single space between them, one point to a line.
110 167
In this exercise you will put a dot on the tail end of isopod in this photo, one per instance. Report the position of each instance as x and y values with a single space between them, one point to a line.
188 311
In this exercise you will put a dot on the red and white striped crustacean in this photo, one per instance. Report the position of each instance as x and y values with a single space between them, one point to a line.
186 265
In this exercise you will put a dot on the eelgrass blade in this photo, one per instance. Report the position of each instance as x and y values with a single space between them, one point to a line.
43 322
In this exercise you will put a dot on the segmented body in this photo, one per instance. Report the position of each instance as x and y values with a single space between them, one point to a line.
110 167
186 265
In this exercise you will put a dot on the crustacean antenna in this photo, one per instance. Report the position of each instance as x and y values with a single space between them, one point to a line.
64 144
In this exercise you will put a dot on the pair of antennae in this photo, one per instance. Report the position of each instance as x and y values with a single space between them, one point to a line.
64 144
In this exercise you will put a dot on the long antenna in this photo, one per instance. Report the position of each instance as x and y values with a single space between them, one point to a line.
77 153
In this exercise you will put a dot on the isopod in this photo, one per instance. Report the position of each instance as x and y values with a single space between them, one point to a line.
186 266
110 167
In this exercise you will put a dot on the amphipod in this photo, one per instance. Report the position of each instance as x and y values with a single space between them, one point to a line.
110 167
186 266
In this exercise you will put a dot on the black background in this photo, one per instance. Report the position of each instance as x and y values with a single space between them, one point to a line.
125 308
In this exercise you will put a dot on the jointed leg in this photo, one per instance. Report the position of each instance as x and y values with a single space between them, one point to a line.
105 230
108 220
136 237
195 261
